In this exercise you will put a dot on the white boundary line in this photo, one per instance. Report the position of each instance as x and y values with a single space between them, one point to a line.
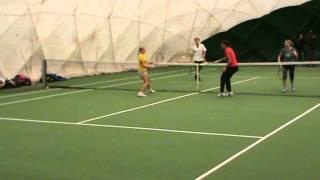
131 127
80 91
125 78
43 97
298 78
211 171
271 77
78 85
29 93
159 102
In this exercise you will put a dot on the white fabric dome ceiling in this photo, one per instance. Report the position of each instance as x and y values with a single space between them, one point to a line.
112 30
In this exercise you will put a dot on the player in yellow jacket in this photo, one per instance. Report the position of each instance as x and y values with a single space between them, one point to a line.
144 65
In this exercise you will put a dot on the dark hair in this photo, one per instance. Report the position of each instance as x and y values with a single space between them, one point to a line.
197 38
226 43
140 49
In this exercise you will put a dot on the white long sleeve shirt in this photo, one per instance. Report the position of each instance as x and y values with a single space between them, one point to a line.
198 52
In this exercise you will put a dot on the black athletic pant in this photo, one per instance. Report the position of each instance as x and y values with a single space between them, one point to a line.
225 80
200 67
291 69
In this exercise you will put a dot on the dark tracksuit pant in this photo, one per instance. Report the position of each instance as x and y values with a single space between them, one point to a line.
225 79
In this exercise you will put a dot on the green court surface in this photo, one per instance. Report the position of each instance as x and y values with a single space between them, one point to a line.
100 129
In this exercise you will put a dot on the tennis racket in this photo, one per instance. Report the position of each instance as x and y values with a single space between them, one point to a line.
191 70
219 60
159 58
216 61
280 69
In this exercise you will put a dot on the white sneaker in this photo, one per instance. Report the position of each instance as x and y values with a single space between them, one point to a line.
141 94
152 91
222 94
293 89
230 93
284 90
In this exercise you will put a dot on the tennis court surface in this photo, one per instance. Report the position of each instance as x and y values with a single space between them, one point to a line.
99 129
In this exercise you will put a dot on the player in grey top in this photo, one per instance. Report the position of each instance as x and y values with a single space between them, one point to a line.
288 54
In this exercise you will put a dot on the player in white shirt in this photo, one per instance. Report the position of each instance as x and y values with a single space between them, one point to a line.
199 53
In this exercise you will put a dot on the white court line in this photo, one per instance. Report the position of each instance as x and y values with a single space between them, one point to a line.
256 143
275 77
29 93
299 78
81 91
159 102
269 77
132 127
43 97
78 85
126 78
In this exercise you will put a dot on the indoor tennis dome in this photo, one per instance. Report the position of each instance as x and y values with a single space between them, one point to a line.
108 30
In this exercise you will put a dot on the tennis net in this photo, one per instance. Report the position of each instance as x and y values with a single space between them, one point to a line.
260 78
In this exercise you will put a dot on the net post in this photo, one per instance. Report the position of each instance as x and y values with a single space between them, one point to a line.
198 76
44 73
